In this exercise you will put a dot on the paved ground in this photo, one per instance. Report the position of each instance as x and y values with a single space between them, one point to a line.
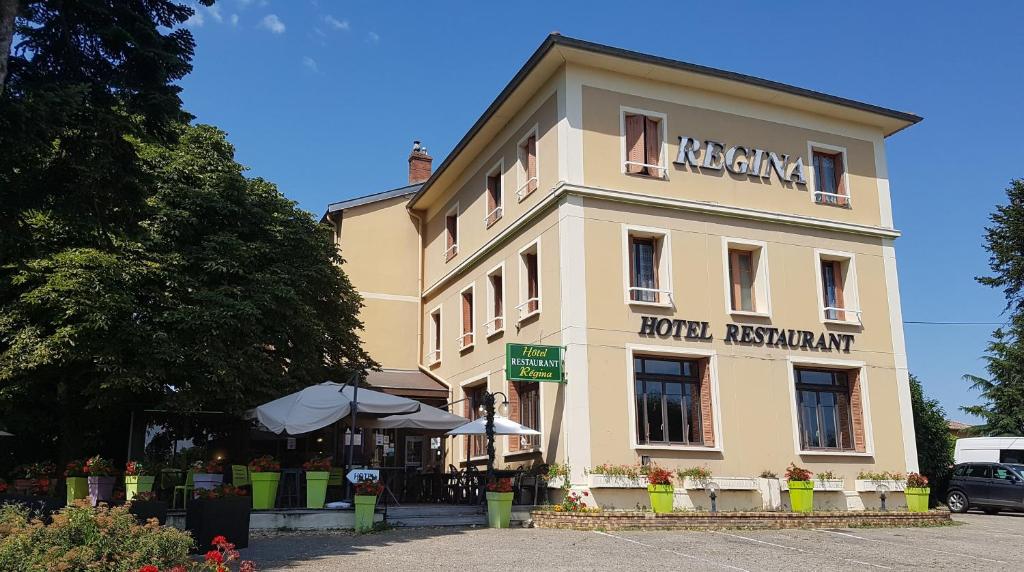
980 541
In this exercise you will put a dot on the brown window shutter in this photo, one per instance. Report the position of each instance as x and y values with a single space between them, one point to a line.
634 143
845 437
857 412
492 193
706 410
531 164
531 280
652 146
513 413
840 187
734 278
837 272
467 317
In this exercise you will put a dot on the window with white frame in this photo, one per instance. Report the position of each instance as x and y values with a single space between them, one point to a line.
647 265
643 134
747 277
473 408
495 194
451 233
829 175
527 165
830 415
468 336
495 301
434 337
673 401
529 281
524 408
838 298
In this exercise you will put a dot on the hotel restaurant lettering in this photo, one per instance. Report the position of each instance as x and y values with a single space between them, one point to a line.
711 258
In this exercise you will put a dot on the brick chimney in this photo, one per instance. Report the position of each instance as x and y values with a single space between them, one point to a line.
419 164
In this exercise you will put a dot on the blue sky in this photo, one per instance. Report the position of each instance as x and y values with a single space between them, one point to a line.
325 97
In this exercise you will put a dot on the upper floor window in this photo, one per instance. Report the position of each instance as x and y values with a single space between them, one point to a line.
495 301
649 271
644 134
837 287
527 168
747 277
467 338
524 408
830 180
495 192
451 233
474 409
434 337
529 281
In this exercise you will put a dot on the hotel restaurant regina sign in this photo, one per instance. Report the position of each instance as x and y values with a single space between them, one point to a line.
528 362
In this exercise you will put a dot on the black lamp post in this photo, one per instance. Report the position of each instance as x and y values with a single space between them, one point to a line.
489 400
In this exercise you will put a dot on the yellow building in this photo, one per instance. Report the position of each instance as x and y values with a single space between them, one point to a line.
713 251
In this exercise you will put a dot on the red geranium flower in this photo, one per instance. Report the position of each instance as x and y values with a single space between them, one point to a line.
218 540
214 556
149 568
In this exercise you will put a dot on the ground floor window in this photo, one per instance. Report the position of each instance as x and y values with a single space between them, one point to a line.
524 408
825 408
671 401
474 404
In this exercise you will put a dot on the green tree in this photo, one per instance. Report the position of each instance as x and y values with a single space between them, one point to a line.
934 442
1003 390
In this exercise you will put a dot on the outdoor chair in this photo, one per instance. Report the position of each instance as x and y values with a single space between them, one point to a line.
186 491
167 480
537 480
240 476
289 492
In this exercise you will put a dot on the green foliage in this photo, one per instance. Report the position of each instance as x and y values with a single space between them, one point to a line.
934 443
1003 389
696 473
83 538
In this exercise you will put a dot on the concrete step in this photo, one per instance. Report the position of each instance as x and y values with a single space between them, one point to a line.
435 510
437 520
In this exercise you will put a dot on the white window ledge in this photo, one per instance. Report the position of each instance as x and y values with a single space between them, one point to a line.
715 449
750 314
842 322
834 454
645 303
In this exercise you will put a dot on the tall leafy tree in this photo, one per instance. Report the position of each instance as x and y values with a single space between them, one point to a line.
934 442
1003 389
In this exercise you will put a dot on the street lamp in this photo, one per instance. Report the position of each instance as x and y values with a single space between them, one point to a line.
881 489
712 489
489 401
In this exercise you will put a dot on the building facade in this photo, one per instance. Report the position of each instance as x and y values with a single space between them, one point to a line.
714 252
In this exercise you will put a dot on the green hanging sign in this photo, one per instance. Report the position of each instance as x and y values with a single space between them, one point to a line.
529 362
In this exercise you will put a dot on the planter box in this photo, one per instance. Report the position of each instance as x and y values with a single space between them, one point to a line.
869 486
101 489
724 483
556 483
617 482
206 518
135 484
145 510
829 485
208 481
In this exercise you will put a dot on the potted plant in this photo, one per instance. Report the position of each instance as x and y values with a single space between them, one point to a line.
33 478
264 473
222 510
694 477
801 488
499 503
100 479
77 481
617 476
367 490
917 492
136 480
207 474
660 489
145 505
829 481
318 472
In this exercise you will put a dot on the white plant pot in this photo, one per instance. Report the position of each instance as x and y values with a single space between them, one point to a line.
870 485
771 493
616 482
828 485
207 480
724 483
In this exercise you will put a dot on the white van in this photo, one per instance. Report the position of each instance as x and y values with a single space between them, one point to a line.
989 449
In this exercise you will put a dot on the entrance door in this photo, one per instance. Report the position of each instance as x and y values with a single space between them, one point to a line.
413 451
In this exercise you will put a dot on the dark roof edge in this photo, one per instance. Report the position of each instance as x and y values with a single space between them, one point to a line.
372 198
557 39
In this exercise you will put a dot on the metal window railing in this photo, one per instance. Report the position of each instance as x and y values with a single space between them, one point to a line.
495 325
823 198
521 192
432 357
493 215
451 251
465 340
638 294
833 313
661 170
525 310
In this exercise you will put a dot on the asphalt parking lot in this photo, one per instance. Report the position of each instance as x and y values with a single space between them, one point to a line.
980 541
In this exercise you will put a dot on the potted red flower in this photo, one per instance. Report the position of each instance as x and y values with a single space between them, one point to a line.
917 492
801 488
207 474
136 479
33 478
660 489
318 472
499 503
222 510
76 480
367 490
100 479
264 473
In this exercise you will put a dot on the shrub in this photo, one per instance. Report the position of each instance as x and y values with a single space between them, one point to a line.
264 464
880 476
768 474
321 464
84 538
369 486
500 486
695 473
622 471
795 473
826 476
573 502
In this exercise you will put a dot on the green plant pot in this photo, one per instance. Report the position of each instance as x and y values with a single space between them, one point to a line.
135 484
801 496
316 488
499 509
661 497
78 488
264 489
364 512
917 499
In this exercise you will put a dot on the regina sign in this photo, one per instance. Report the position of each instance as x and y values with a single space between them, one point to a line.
526 362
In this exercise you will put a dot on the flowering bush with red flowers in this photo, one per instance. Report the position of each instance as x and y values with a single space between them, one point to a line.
134 468
220 491
573 501
75 468
41 470
3 486
319 464
222 558
369 486
795 473
211 467
264 464
917 481
500 486
97 466
658 476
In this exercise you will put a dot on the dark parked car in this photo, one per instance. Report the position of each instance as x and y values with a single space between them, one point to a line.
991 487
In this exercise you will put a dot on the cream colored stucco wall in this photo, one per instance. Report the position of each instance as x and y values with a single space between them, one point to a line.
380 244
